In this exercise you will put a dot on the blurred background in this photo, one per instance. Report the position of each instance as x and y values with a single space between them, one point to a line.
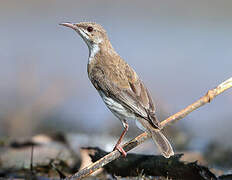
180 49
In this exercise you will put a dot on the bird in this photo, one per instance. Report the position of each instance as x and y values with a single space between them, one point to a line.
121 89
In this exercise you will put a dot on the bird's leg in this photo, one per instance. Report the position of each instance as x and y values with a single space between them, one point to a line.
117 146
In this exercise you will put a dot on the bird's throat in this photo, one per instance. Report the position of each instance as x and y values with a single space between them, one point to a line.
104 47
93 50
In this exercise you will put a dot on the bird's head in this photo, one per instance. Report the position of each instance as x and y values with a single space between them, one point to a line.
92 33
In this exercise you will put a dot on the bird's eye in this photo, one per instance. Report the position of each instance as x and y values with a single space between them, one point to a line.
89 29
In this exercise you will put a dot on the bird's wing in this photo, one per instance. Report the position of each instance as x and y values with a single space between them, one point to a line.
128 90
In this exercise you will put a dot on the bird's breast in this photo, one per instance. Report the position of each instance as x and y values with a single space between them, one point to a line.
116 108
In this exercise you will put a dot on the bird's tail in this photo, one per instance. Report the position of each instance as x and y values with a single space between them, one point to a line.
157 136
162 143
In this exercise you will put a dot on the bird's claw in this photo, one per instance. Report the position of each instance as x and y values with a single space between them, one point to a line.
121 150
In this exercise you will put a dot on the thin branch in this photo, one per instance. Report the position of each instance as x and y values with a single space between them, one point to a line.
210 95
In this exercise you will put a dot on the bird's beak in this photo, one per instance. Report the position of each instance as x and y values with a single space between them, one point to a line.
78 29
70 25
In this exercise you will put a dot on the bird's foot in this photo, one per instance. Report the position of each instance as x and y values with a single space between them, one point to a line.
121 150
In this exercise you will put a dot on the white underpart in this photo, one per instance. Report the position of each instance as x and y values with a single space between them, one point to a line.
119 111
116 108
93 51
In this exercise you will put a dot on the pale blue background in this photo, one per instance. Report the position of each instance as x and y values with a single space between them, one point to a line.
179 48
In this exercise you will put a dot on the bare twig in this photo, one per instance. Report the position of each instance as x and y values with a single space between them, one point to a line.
210 95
